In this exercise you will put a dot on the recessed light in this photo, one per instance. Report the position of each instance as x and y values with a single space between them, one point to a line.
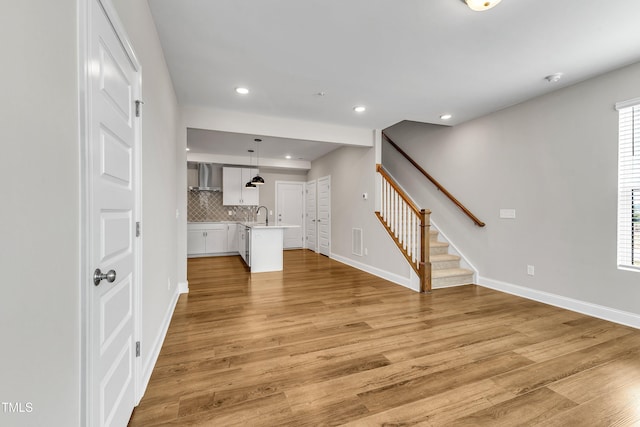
242 90
359 108
188 149
445 116
287 157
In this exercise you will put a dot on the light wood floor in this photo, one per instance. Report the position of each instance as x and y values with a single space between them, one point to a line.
324 344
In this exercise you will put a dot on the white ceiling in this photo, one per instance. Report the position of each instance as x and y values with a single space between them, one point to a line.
402 59
238 144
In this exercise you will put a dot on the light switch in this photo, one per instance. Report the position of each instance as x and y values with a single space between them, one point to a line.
508 213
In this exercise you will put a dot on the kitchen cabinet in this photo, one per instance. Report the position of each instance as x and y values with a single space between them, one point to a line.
234 192
232 238
207 238
243 242
210 238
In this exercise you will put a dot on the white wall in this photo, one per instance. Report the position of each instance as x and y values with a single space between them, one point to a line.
554 160
39 219
352 171
40 223
268 190
163 179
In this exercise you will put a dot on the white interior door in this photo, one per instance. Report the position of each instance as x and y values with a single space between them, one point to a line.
311 216
324 215
113 85
290 211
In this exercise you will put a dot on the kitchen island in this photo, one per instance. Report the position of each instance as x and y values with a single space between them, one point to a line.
263 246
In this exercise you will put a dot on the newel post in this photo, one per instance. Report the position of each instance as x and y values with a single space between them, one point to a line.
425 262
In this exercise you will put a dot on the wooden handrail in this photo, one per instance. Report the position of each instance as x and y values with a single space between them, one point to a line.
434 182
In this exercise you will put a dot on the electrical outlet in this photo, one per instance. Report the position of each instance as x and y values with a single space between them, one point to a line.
366 251
230 213
531 270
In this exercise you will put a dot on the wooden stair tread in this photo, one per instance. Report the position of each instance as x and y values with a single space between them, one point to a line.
444 257
451 272
438 244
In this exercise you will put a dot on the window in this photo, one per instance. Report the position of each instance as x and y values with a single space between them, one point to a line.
629 184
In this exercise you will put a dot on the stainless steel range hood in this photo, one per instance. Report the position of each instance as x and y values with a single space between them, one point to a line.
209 177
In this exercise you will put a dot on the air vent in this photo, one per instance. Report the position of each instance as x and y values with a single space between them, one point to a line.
356 241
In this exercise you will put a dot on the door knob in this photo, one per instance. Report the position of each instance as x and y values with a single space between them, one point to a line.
99 276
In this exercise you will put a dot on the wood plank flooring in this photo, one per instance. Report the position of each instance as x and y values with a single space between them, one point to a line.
324 344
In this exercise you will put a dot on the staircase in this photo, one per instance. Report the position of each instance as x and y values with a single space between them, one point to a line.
408 226
445 267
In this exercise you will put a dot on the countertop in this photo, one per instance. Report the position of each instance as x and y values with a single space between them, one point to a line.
252 224
263 225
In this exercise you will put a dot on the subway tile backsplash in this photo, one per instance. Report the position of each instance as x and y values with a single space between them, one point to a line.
206 206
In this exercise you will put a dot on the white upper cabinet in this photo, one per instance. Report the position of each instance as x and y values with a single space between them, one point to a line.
234 192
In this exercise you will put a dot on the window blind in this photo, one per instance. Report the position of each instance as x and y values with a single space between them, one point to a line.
629 184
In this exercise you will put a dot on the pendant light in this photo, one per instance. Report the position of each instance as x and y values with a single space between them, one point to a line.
250 184
258 180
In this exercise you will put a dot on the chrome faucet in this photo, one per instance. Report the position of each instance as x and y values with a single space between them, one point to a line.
266 214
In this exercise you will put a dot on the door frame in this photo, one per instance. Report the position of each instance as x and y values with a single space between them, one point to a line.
85 262
304 205
307 211
328 180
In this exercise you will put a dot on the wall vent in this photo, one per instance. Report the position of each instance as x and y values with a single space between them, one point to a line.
356 241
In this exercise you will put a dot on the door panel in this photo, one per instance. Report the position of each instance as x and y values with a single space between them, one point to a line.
290 210
324 215
116 232
112 133
311 214
117 158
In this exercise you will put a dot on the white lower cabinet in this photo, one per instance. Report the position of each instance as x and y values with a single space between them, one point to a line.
207 239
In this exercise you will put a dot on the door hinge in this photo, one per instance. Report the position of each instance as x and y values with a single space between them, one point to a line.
138 229
137 348
138 103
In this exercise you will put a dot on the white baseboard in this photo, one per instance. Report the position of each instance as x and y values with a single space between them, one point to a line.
392 277
594 310
154 350
183 287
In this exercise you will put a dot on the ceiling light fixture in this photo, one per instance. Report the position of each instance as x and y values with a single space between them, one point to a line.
242 90
481 5
359 109
257 180
287 157
188 149
446 116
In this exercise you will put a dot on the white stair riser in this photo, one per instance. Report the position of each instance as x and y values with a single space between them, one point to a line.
441 265
438 250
